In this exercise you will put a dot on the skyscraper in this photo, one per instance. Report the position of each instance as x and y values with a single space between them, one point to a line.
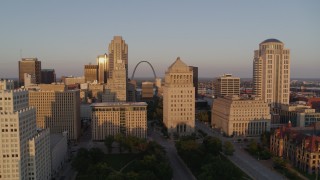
271 72
178 99
91 72
103 68
24 150
48 76
195 79
118 50
226 85
58 110
117 84
31 66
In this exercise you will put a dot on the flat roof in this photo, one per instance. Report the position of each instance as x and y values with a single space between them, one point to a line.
112 104
55 138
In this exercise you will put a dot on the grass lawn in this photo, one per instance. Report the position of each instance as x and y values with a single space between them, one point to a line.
117 161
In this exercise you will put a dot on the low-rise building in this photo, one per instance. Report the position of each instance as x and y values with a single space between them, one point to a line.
111 118
300 146
241 117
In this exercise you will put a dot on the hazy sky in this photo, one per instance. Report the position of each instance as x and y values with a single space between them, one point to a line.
217 36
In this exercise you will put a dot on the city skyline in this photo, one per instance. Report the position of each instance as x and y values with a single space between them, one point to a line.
217 37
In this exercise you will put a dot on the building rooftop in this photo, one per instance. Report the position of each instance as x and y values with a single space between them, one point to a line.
112 104
271 41
55 139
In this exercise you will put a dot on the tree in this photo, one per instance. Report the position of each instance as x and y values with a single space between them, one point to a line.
120 139
265 138
228 148
108 142
278 163
80 162
253 147
203 116
213 145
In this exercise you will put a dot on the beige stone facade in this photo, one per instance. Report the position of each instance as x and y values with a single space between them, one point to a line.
129 118
226 85
6 84
117 84
24 152
58 110
271 72
241 117
118 50
179 99
74 80
147 90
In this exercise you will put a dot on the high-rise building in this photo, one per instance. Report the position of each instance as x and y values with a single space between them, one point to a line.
226 85
30 66
118 51
112 118
178 99
91 73
271 72
132 84
195 79
103 68
48 76
24 150
241 117
57 110
117 84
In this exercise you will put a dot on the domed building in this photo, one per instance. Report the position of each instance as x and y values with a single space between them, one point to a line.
271 72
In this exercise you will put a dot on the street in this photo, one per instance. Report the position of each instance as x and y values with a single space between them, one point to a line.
180 170
243 160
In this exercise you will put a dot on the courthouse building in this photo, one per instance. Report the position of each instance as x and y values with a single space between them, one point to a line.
241 117
179 99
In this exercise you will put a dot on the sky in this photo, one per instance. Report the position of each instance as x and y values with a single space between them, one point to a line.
216 36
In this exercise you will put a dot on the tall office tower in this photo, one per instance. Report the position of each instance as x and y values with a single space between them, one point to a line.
31 66
57 110
271 72
24 150
48 76
117 85
103 68
226 85
132 84
91 73
112 118
178 99
118 50
241 117
195 79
